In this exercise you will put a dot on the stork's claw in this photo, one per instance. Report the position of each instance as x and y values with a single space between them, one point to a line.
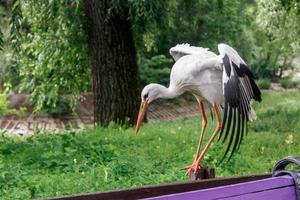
191 169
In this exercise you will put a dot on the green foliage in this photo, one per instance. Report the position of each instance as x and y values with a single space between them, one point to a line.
155 70
146 17
142 13
54 57
103 159
15 24
203 23
61 107
289 83
6 68
277 34
4 106
5 49
264 83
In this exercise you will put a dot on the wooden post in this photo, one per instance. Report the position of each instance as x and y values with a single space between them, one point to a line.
204 172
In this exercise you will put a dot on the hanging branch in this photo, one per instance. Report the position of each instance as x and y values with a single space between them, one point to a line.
15 26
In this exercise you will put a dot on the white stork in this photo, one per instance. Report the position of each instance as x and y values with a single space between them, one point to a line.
215 80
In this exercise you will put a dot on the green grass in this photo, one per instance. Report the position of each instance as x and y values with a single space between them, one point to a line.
104 159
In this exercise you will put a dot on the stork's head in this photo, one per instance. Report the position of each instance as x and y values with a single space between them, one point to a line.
149 93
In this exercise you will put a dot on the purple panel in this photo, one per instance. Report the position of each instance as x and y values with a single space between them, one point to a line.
232 190
276 194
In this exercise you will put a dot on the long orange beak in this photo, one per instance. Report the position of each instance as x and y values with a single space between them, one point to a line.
142 112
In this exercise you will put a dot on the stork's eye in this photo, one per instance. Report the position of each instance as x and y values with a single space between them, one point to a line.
145 96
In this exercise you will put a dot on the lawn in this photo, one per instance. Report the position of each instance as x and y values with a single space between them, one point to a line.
104 159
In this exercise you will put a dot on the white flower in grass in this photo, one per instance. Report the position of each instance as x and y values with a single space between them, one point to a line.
289 139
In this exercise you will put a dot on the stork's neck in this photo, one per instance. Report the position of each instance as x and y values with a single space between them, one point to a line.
168 93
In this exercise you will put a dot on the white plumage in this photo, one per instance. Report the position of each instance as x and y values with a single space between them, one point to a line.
215 80
185 49
198 71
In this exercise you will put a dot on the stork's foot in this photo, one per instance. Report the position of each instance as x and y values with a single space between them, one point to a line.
192 169
202 172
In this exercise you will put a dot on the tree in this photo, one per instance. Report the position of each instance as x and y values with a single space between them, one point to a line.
278 31
50 51
50 48
113 59
114 28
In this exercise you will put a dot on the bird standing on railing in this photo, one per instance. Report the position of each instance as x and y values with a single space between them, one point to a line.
215 80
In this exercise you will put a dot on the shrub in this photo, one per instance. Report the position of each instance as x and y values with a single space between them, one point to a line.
61 107
288 83
264 84
4 107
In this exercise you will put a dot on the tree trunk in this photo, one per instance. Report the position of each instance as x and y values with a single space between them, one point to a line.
114 64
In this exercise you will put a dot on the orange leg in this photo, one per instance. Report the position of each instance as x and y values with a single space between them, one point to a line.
196 164
204 122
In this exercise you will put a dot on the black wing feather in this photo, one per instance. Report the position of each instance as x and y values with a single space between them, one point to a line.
239 89
244 116
228 123
238 133
232 132
242 131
